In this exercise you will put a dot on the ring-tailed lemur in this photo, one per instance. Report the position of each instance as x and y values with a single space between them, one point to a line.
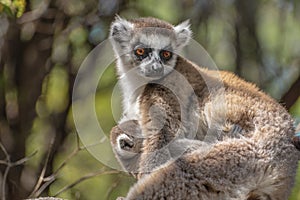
258 161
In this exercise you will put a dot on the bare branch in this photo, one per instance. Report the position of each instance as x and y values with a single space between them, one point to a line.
43 187
74 153
9 165
66 161
41 177
112 187
23 160
291 96
4 151
43 181
3 162
91 175
3 197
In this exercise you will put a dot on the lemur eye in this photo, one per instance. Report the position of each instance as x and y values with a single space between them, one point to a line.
165 55
140 51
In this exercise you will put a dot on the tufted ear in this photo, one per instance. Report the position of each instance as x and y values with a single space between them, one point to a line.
121 30
183 33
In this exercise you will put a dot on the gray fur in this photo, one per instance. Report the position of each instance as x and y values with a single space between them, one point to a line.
249 155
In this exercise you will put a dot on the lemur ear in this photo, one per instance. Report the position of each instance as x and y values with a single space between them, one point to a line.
121 30
183 33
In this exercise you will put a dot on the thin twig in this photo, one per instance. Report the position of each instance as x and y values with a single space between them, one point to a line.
43 187
74 153
94 174
44 182
23 160
291 96
9 165
4 151
70 156
41 177
3 162
4 182
112 187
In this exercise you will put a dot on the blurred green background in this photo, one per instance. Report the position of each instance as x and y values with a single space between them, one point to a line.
43 43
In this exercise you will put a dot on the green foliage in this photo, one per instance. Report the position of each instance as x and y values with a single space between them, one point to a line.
167 10
78 36
13 7
76 26
56 96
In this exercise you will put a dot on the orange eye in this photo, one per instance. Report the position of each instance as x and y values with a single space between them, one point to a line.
140 51
166 54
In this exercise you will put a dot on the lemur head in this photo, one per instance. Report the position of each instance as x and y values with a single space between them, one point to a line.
127 141
148 45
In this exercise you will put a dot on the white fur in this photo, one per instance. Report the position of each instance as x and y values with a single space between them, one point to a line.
123 21
124 33
120 23
129 81
156 41
183 33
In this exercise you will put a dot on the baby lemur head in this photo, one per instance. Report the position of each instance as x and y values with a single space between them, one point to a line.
148 45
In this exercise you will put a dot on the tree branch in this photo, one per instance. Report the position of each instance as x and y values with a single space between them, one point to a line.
291 96
94 174
9 165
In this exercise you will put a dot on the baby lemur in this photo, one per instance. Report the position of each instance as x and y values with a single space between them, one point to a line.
189 132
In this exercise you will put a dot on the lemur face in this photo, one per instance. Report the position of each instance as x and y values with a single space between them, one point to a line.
147 45
152 54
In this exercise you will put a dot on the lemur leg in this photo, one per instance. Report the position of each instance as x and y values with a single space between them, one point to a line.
161 125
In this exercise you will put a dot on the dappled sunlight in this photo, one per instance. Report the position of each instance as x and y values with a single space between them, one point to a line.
43 45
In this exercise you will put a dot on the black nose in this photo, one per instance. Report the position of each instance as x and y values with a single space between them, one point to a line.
156 68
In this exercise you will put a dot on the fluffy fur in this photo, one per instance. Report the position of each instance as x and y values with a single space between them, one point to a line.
258 161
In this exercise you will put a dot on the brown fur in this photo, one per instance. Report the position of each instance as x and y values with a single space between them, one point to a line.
262 163
259 163
150 22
